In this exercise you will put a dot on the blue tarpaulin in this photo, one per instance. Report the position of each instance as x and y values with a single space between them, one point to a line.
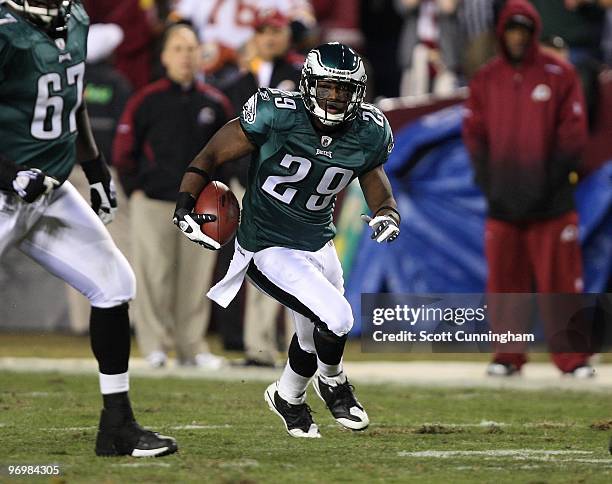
440 249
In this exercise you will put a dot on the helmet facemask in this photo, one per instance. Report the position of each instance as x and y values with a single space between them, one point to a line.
50 15
328 64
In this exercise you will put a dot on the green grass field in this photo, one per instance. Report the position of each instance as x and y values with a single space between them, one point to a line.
227 434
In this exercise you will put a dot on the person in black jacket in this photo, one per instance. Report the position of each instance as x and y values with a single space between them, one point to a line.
163 127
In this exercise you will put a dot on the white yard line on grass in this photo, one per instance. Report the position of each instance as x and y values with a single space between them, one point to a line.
443 454
240 463
550 456
200 427
143 464
491 423
175 427
67 429
606 462
538 455
482 423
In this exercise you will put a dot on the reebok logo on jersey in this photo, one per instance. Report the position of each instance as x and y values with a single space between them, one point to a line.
8 19
541 93
324 153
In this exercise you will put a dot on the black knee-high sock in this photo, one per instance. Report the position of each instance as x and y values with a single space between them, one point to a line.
302 362
330 346
109 331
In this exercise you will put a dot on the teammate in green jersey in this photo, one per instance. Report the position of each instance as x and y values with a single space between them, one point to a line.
305 148
44 130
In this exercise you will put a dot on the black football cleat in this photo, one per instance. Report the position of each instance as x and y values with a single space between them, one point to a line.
342 403
120 434
297 418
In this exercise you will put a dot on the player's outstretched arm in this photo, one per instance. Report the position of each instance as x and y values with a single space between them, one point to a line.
229 143
379 197
101 186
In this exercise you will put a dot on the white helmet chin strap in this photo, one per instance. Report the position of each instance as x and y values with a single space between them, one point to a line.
43 13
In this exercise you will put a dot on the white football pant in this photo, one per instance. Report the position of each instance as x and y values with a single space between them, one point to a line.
310 284
61 232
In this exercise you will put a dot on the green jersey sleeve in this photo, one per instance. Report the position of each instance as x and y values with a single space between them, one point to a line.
257 117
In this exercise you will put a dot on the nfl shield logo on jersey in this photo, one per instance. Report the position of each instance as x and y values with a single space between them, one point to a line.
325 141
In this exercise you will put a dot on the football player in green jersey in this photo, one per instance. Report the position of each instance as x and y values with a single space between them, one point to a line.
305 148
44 130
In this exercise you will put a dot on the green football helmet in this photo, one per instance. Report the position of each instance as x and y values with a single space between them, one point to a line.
333 63
51 15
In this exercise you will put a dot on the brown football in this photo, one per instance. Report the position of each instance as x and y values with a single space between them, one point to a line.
217 199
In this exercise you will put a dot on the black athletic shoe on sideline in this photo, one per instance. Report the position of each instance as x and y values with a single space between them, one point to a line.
120 434
297 418
342 403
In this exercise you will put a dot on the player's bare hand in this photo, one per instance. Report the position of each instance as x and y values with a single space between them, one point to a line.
32 183
190 224
384 228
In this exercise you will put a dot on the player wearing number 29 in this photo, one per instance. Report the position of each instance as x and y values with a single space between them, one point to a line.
44 130
305 148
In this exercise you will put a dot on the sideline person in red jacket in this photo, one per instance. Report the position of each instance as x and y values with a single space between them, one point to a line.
525 128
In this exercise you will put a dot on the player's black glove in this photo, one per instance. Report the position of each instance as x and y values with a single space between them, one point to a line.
384 228
101 188
31 183
189 222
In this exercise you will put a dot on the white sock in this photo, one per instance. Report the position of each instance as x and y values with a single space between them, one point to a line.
292 387
114 383
331 373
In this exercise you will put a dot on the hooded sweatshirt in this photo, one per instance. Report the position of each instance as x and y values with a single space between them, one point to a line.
525 128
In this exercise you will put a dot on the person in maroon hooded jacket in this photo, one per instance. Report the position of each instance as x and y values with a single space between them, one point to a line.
525 128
